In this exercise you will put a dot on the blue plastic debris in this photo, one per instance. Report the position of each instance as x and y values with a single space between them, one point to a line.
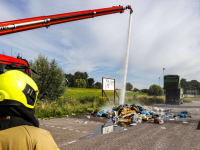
98 114
140 108
85 122
103 112
144 112
168 116
182 115
151 111
116 118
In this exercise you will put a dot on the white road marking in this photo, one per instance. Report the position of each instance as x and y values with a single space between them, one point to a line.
71 129
88 136
84 132
71 142
133 124
47 125
77 130
64 128
163 128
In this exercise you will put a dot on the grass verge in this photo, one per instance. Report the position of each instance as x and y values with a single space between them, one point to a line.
187 100
82 100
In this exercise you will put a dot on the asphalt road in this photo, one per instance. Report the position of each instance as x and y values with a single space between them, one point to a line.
72 133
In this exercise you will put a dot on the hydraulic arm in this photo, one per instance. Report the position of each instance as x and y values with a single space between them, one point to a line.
13 26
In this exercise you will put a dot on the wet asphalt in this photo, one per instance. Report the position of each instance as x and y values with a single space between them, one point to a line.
79 132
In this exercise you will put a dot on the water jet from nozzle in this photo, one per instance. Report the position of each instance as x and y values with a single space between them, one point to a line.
122 96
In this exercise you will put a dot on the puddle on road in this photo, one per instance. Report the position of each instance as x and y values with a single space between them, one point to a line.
98 129
111 124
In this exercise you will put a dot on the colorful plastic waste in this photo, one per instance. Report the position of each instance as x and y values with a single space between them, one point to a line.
182 115
103 112
144 112
98 114
168 116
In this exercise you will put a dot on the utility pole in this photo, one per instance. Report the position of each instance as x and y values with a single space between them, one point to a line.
159 81
163 77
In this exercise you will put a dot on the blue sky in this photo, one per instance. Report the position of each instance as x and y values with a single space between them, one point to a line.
165 34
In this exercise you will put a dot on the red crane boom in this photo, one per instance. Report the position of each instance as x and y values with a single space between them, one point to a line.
13 26
8 27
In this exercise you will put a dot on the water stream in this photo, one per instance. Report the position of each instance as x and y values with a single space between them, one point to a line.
122 96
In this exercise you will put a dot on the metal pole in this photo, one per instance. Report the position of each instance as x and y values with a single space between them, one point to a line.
114 91
102 86
163 77
159 81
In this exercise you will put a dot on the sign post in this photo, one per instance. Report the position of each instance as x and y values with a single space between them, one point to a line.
108 84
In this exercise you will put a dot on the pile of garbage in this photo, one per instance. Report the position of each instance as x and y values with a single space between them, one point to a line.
133 114
103 113
129 114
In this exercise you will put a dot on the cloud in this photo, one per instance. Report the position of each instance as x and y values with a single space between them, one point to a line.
165 34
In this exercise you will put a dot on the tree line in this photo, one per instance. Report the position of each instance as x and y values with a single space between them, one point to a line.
52 81
192 86
81 80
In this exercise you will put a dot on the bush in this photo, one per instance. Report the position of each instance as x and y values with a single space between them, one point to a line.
146 100
49 79
155 90
87 98
187 100
98 85
129 86
80 83
61 107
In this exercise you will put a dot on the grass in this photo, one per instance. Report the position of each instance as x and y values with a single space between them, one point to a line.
187 100
60 108
74 93
84 100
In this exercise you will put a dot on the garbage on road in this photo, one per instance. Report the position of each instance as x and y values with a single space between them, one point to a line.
163 128
133 114
103 113
130 115
85 122
182 115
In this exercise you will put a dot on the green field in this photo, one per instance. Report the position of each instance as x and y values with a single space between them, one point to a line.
85 100
74 93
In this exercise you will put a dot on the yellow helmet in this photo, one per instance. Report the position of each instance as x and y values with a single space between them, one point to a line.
17 88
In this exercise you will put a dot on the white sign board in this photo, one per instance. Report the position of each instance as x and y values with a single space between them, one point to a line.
108 84
107 129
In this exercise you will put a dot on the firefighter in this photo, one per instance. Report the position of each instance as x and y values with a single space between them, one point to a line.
19 128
